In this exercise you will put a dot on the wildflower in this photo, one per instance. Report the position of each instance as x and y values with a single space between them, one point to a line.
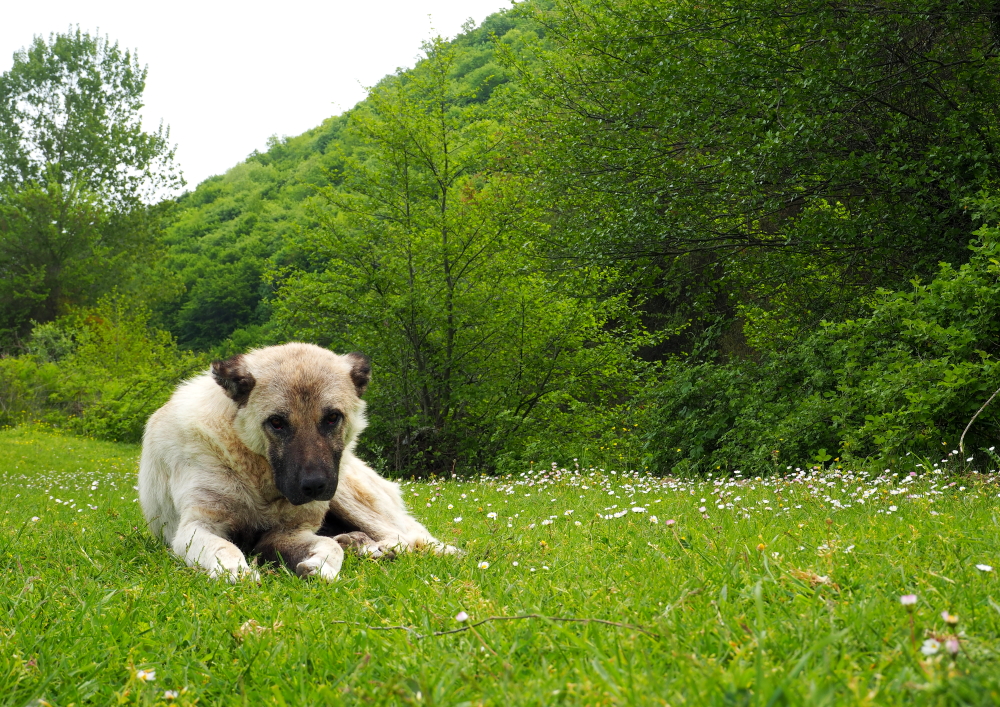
547 521
760 547
450 506
893 509
701 509
170 694
567 513
949 618
514 563
576 522
670 522
145 675
491 515
35 519
461 616
984 568
908 599
930 647
952 645
653 519
484 565
458 519
545 567
638 509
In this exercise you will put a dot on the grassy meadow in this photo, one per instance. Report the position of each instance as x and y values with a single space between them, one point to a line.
578 586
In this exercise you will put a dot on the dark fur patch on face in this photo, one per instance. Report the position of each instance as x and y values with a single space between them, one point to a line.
234 378
304 460
361 371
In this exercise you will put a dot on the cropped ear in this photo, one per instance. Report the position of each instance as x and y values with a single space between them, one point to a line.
234 378
361 371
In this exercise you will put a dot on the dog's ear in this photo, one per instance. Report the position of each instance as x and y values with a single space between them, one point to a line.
234 378
361 371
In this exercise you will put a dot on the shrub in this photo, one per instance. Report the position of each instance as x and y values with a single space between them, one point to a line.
99 371
25 387
907 377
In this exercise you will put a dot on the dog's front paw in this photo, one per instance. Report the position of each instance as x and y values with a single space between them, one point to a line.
324 566
233 571
442 549
359 542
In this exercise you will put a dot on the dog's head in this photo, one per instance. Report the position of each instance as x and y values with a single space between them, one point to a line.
300 406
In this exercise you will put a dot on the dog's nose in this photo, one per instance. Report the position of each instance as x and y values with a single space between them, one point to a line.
313 486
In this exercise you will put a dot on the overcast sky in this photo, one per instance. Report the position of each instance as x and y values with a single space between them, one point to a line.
227 75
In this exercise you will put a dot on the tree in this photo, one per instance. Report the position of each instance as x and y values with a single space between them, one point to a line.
848 133
77 177
69 115
424 259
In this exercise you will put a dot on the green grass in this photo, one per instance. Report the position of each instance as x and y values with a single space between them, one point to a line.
796 604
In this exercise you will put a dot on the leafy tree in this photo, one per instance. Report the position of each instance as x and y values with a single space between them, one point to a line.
846 132
69 116
76 175
424 259
61 247
254 211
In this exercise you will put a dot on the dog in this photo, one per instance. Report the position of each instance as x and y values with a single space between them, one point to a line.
256 456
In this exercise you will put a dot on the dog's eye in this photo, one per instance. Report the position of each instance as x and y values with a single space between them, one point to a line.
332 419
277 423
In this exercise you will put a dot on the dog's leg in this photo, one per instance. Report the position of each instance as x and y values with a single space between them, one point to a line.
363 545
303 551
201 545
365 501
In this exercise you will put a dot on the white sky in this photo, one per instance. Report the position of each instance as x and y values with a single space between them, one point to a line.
227 75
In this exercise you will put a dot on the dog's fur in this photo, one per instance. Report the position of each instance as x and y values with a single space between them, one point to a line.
256 456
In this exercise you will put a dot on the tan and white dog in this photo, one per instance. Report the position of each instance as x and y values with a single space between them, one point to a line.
256 457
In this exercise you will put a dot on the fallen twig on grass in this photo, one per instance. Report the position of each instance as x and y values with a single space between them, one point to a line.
413 632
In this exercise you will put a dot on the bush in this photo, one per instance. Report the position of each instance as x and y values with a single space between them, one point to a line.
25 387
100 371
907 377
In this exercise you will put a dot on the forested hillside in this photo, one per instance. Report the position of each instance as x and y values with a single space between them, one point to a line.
641 233
232 228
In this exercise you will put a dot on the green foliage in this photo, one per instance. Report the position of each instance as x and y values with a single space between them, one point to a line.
424 257
69 116
120 371
25 387
236 226
61 248
76 175
664 235
843 138
100 371
907 376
